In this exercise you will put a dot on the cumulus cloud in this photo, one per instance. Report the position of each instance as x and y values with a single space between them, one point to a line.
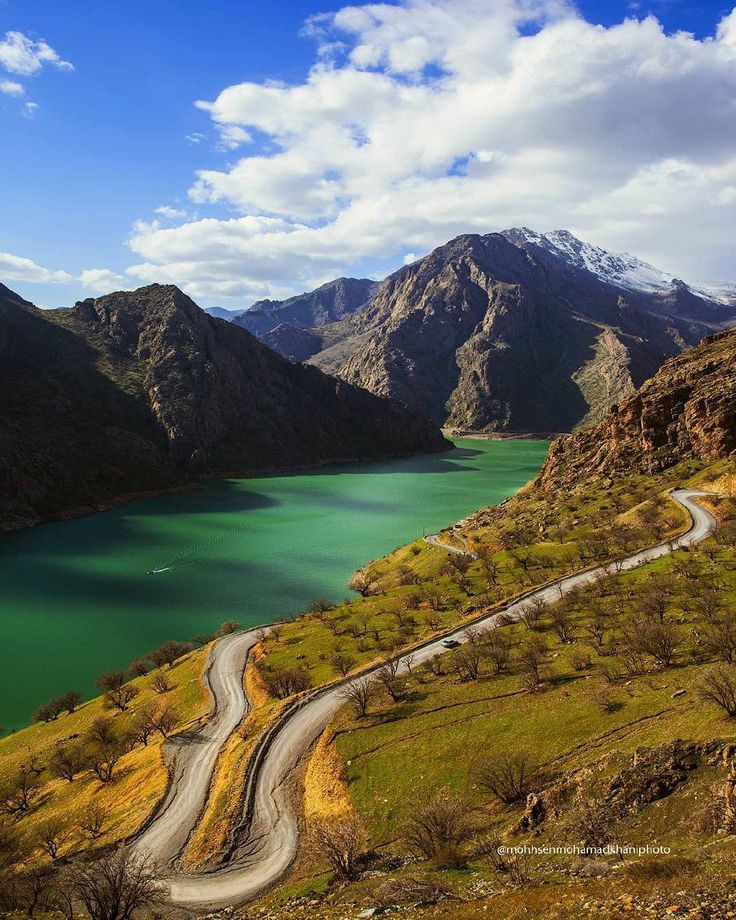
17 268
102 280
170 213
20 54
11 88
427 118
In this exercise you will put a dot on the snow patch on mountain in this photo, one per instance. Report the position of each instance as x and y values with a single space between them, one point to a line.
619 268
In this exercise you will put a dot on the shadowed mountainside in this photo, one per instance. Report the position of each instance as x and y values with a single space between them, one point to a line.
141 391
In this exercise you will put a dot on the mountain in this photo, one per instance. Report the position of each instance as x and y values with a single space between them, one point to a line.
141 391
222 313
508 332
686 411
618 268
292 327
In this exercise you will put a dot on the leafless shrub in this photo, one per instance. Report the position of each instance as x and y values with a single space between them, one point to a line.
441 828
718 685
115 887
507 775
339 842
413 889
516 866
284 682
161 683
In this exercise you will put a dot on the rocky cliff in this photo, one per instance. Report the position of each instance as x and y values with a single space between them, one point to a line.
505 332
687 410
141 391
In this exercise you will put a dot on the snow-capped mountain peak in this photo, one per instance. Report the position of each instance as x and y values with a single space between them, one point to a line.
619 268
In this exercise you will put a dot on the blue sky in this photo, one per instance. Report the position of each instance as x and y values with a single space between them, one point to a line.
276 189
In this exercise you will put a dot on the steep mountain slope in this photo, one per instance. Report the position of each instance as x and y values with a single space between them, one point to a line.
279 323
501 333
142 390
687 410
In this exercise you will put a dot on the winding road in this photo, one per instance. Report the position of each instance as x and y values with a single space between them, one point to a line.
265 842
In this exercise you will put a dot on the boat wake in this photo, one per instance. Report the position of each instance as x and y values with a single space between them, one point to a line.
195 552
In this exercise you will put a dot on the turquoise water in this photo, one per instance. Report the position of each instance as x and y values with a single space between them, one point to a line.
76 597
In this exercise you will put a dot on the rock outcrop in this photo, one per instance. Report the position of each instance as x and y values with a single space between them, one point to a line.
686 411
140 391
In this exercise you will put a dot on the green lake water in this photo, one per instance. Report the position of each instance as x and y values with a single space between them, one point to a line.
76 597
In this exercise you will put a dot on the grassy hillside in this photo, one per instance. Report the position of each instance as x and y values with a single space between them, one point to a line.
139 777
598 735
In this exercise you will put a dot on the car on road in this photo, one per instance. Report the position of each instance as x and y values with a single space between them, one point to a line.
450 643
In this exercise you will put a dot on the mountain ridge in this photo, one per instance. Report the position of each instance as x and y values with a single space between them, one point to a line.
143 391
488 333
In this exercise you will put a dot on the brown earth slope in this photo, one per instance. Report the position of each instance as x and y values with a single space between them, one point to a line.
687 410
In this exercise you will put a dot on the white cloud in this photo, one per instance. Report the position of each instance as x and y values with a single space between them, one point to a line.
20 54
427 118
170 213
102 280
11 88
17 268
30 109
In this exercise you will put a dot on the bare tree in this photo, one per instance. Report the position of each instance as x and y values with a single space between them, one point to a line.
342 663
360 693
496 648
119 694
18 792
91 821
339 842
52 835
169 652
532 612
67 761
719 637
165 719
718 685
440 829
114 887
139 667
466 661
103 758
70 700
392 680
101 730
507 776
561 619
284 682
531 661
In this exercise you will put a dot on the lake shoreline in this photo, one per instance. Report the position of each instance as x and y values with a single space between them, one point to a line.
128 497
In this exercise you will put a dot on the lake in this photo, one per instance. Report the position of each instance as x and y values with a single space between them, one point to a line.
76 597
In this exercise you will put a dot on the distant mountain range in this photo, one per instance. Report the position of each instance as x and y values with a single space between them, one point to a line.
141 391
509 332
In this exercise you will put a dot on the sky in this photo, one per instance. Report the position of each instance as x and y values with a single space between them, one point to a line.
247 149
